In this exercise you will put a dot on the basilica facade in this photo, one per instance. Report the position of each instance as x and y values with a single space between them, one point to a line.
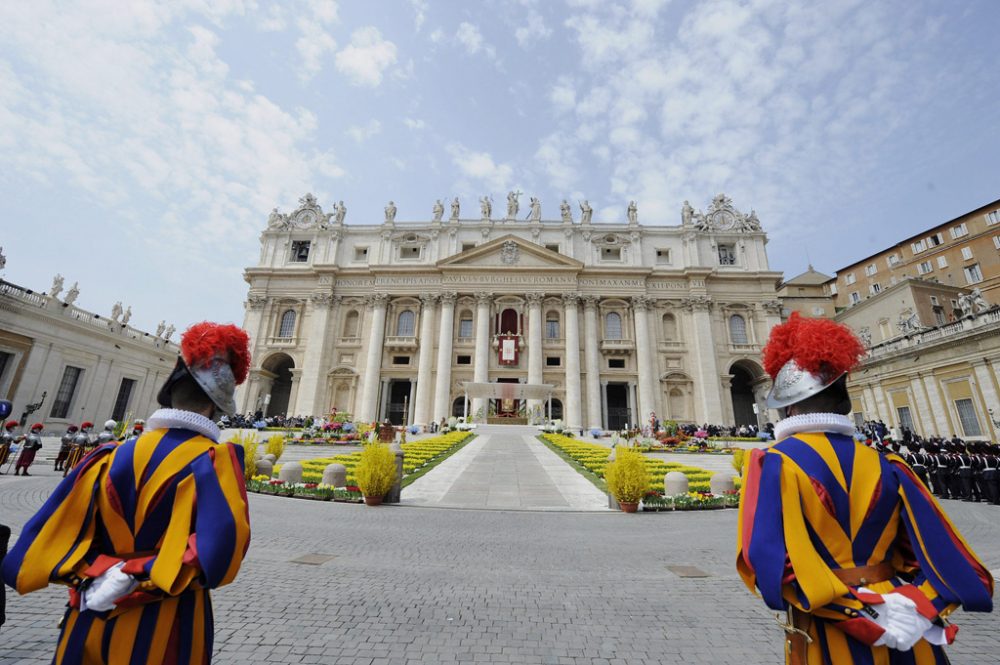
597 324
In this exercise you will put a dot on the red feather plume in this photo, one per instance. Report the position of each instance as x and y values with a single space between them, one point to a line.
819 346
205 341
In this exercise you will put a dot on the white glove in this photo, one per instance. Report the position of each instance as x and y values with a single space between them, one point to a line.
111 585
898 616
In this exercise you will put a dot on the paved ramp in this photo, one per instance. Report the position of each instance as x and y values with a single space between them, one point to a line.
505 468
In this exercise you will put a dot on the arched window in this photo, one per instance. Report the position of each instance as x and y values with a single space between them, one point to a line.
669 328
508 322
404 324
557 410
287 327
458 407
613 326
551 325
465 324
738 329
351 324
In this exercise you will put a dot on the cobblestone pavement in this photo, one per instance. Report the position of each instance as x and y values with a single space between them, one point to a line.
421 585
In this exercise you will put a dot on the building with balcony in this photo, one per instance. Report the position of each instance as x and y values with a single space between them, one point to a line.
962 252
394 319
810 294
76 364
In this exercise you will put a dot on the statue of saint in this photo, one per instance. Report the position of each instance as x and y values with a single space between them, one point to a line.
512 204
339 212
57 286
438 210
3 259
535 214
586 212
486 207
161 326
168 332
865 335
72 294
978 301
687 214
127 316
633 213
455 206
116 311
566 212
276 219
390 213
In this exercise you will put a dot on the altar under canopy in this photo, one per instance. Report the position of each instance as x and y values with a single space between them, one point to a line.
509 398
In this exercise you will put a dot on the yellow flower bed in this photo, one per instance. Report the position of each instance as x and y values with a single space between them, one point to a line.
594 457
418 453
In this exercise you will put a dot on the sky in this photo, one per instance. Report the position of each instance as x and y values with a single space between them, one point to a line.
143 144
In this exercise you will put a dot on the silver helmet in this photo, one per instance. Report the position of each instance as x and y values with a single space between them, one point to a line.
794 384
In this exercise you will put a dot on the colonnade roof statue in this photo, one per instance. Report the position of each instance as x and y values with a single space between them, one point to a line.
720 216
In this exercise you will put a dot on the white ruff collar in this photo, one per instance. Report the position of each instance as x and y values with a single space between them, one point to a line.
178 419
814 422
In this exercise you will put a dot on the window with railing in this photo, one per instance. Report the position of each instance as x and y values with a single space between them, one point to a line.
67 389
738 329
405 323
613 326
287 327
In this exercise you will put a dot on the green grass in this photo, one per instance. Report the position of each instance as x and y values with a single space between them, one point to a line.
430 465
596 480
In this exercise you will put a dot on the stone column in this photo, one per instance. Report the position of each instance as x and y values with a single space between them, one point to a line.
534 348
707 368
986 378
481 369
422 403
647 362
442 387
592 358
313 363
572 409
937 406
293 393
373 365
924 420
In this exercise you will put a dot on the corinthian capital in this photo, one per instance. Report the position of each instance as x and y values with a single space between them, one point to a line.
484 298
534 299
591 302
448 298
640 303
571 299
321 299
428 299
376 299
256 302
698 303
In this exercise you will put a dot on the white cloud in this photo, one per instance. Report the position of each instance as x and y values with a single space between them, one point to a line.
480 167
314 42
436 36
364 132
563 95
533 31
419 13
366 58
469 36
414 123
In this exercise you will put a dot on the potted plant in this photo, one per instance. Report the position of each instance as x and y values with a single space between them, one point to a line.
375 472
627 478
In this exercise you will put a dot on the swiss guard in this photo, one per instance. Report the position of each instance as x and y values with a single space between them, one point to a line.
173 521
849 542
7 439
32 444
82 444
65 445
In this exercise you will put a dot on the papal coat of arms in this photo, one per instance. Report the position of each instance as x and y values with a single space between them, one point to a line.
509 253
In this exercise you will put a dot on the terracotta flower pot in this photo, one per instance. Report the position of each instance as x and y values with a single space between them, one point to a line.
373 501
629 507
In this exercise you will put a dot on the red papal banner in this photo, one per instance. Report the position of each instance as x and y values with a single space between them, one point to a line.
508 350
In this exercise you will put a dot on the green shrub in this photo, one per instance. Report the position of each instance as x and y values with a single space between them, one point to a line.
626 476
376 470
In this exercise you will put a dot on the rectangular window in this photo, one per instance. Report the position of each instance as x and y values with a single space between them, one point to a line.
553 361
300 251
967 253
401 360
893 260
6 360
663 256
727 255
552 248
616 363
121 402
875 288
409 252
935 240
959 231
925 267
992 217
934 301
552 329
939 316
871 269
967 416
463 360
611 254
996 241
855 297
942 261
849 278
465 328
905 420
67 389
973 275
360 253
918 246
466 246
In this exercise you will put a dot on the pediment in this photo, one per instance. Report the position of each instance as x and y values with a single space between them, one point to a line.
512 252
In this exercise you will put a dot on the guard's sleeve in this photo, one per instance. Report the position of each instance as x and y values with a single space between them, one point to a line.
776 557
54 543
946 572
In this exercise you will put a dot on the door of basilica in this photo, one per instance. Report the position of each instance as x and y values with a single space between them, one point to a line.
618 412
399 393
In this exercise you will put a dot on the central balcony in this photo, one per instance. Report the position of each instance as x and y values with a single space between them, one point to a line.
617 347
401 343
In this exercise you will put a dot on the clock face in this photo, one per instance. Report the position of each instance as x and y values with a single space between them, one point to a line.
307 218
723 220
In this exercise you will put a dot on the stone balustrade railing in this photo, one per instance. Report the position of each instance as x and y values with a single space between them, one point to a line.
972 323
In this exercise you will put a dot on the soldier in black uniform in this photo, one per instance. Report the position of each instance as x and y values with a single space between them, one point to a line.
65 444
991 474
918 462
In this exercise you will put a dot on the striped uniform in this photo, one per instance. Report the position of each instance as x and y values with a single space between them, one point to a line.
173 505
814 503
